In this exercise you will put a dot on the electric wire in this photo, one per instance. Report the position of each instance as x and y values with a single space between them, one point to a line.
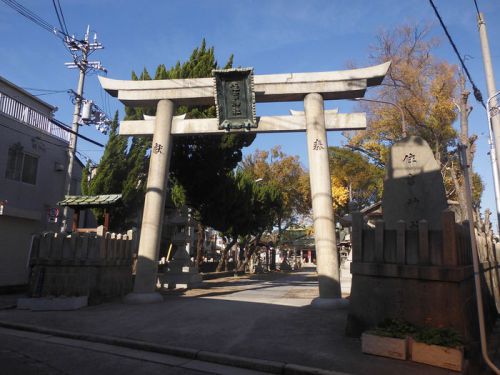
45 90
60 125
67 128
33 136
58 16
105 101
477 8
62 16
476 91
30 15
49 93
86 157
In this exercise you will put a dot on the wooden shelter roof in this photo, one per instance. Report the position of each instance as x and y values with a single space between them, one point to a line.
90 201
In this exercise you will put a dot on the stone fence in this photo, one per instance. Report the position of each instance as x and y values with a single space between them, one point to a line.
97 265
447 247
419 275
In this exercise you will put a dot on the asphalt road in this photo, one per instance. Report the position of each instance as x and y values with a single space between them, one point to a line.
27 353
261 318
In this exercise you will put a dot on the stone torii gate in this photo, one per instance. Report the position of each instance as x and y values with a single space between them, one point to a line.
312 88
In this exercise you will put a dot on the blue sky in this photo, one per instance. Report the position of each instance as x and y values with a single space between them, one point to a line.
272 36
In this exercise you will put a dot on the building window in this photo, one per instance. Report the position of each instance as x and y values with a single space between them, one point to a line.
20 165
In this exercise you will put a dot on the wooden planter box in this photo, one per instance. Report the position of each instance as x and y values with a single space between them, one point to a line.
384 346
440 356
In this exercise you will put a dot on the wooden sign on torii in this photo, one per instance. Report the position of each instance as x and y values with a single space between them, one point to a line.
312 88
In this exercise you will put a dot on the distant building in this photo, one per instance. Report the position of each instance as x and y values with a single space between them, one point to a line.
33 164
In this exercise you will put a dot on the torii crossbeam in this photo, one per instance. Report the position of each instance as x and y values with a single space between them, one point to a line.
312 88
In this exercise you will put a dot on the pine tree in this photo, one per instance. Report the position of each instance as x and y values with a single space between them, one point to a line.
134 184
85 178
111 171
197 161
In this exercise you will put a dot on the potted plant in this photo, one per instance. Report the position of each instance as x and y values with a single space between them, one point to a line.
388 339
441 347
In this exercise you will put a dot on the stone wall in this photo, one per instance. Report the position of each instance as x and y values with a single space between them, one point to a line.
97 265
419 275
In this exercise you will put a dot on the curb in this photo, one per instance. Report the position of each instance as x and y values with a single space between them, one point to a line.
273 367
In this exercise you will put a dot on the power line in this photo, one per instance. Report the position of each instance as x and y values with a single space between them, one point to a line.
46 90
33 136
64 20
477 93
62 16
477 8
69 130
32 16
86 157
47 141
58 16
60 125
50 93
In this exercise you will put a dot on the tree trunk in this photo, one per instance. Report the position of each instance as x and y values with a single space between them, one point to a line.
273 259
465 110
200 251
241 250
460 193
223 258
249 251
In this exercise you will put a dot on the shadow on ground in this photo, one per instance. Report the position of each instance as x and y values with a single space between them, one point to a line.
300 335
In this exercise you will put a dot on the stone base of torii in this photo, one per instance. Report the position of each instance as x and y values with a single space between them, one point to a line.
311 88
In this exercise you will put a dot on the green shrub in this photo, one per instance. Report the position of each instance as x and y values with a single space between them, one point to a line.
439 336
394 328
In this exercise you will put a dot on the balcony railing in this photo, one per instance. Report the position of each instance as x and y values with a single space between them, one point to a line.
22 113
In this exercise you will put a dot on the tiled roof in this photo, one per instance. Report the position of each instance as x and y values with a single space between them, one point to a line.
88 201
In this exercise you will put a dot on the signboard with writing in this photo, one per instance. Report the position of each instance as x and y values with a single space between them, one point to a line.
235 98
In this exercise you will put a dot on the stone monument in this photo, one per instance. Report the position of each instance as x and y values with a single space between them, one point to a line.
413 185
416 264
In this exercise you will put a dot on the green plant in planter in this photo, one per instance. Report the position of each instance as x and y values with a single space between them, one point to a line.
439 336
396 328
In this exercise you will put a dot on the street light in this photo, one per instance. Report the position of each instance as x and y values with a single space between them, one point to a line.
403 122
493 111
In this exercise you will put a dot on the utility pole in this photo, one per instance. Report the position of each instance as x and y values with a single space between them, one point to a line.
494 123
80 50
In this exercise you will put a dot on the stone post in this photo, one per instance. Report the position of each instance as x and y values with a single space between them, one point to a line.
321 192
154 204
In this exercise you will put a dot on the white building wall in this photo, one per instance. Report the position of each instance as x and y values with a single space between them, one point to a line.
25 205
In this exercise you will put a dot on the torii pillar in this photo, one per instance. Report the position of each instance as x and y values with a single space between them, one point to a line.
312 88
154 207
321 195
